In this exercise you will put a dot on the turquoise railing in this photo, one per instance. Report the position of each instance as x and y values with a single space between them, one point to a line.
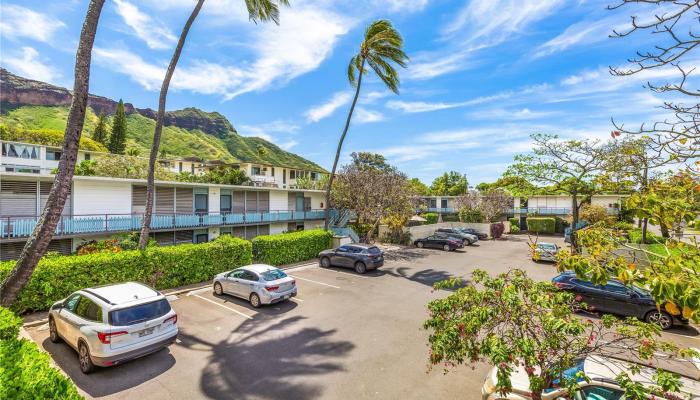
18 227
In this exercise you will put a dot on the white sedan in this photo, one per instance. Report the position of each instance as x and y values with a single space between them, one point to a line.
258 283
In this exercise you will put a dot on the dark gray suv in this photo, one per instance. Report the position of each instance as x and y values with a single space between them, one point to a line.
360 257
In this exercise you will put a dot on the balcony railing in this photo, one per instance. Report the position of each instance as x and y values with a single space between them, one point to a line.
554 210
18 227
443 210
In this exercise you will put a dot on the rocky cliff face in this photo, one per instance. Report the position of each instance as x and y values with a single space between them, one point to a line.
18 91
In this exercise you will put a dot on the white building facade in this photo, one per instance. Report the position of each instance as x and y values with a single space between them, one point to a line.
100 207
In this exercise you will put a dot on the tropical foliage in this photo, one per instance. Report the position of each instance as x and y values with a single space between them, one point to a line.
223 175
449 184
513 322
120 166
48 137
117 139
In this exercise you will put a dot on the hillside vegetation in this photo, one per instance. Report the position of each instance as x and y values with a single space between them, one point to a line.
176 142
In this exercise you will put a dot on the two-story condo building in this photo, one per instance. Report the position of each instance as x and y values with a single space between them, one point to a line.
183 212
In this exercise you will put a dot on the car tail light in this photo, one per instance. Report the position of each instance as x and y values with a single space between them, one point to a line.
172 319
106 337
271 288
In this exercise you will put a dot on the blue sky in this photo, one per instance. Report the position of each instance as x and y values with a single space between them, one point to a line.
483 75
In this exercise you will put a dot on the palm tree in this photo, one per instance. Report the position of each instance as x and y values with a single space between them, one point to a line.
37 244
381 48
258 10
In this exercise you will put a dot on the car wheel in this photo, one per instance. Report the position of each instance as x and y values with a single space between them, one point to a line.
661 318
255 300
86 365
446 247
325 262
218 290
419 245
360 267
53 333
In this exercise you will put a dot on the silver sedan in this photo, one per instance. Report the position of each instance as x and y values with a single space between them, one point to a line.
258 283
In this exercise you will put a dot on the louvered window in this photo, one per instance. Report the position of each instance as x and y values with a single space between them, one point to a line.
46 189
18 198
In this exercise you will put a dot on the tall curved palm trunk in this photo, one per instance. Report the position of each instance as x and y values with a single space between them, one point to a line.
150 185
340 148
381 47
39 241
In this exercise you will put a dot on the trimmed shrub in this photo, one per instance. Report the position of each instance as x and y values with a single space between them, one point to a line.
431 218
471 215
9 324
497 229
514 225
541 225
161 267
25 371
291 247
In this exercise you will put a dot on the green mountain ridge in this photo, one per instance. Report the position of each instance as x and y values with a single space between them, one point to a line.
190 132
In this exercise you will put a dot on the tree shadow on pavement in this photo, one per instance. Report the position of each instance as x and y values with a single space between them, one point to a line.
406 254
106 381
270 358
426 277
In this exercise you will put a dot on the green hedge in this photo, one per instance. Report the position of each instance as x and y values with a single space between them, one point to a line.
9 324
541 224
514 225
431 218
291 247
161 267
25 371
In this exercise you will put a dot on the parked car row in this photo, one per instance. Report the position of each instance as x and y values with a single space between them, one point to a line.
108 325
449 239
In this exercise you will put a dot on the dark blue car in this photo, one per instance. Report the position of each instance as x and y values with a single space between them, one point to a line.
618 299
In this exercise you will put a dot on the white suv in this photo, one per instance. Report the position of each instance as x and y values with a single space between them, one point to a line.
108 325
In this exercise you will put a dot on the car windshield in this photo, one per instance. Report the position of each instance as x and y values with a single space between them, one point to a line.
569 374
139 313
549 247
273 275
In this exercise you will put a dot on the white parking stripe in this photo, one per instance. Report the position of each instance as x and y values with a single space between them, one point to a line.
194 292
221 305
320 283
344 273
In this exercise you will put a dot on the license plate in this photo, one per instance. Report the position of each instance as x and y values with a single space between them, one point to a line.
146 332
286 297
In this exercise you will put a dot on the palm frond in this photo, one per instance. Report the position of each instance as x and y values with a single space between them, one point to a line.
381 48
265 10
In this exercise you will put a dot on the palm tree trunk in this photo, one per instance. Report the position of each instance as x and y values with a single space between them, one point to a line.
150 185
39 241
340 146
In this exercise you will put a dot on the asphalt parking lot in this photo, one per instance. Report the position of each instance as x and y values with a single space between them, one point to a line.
345 336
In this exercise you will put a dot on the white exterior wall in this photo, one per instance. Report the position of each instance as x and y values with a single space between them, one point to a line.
605 200
214 200
278 200
277 228
549 202
316 200
96 197
309 225
213 233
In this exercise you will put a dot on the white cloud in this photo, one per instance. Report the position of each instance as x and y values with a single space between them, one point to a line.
28 64
153 32
365 116
504 114
272 132
497 19
422 106
302 41
321 111
18 21
405 5
478 25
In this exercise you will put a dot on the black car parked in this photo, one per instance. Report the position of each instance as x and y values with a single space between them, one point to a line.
361 257
480 235
447 243
616 298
